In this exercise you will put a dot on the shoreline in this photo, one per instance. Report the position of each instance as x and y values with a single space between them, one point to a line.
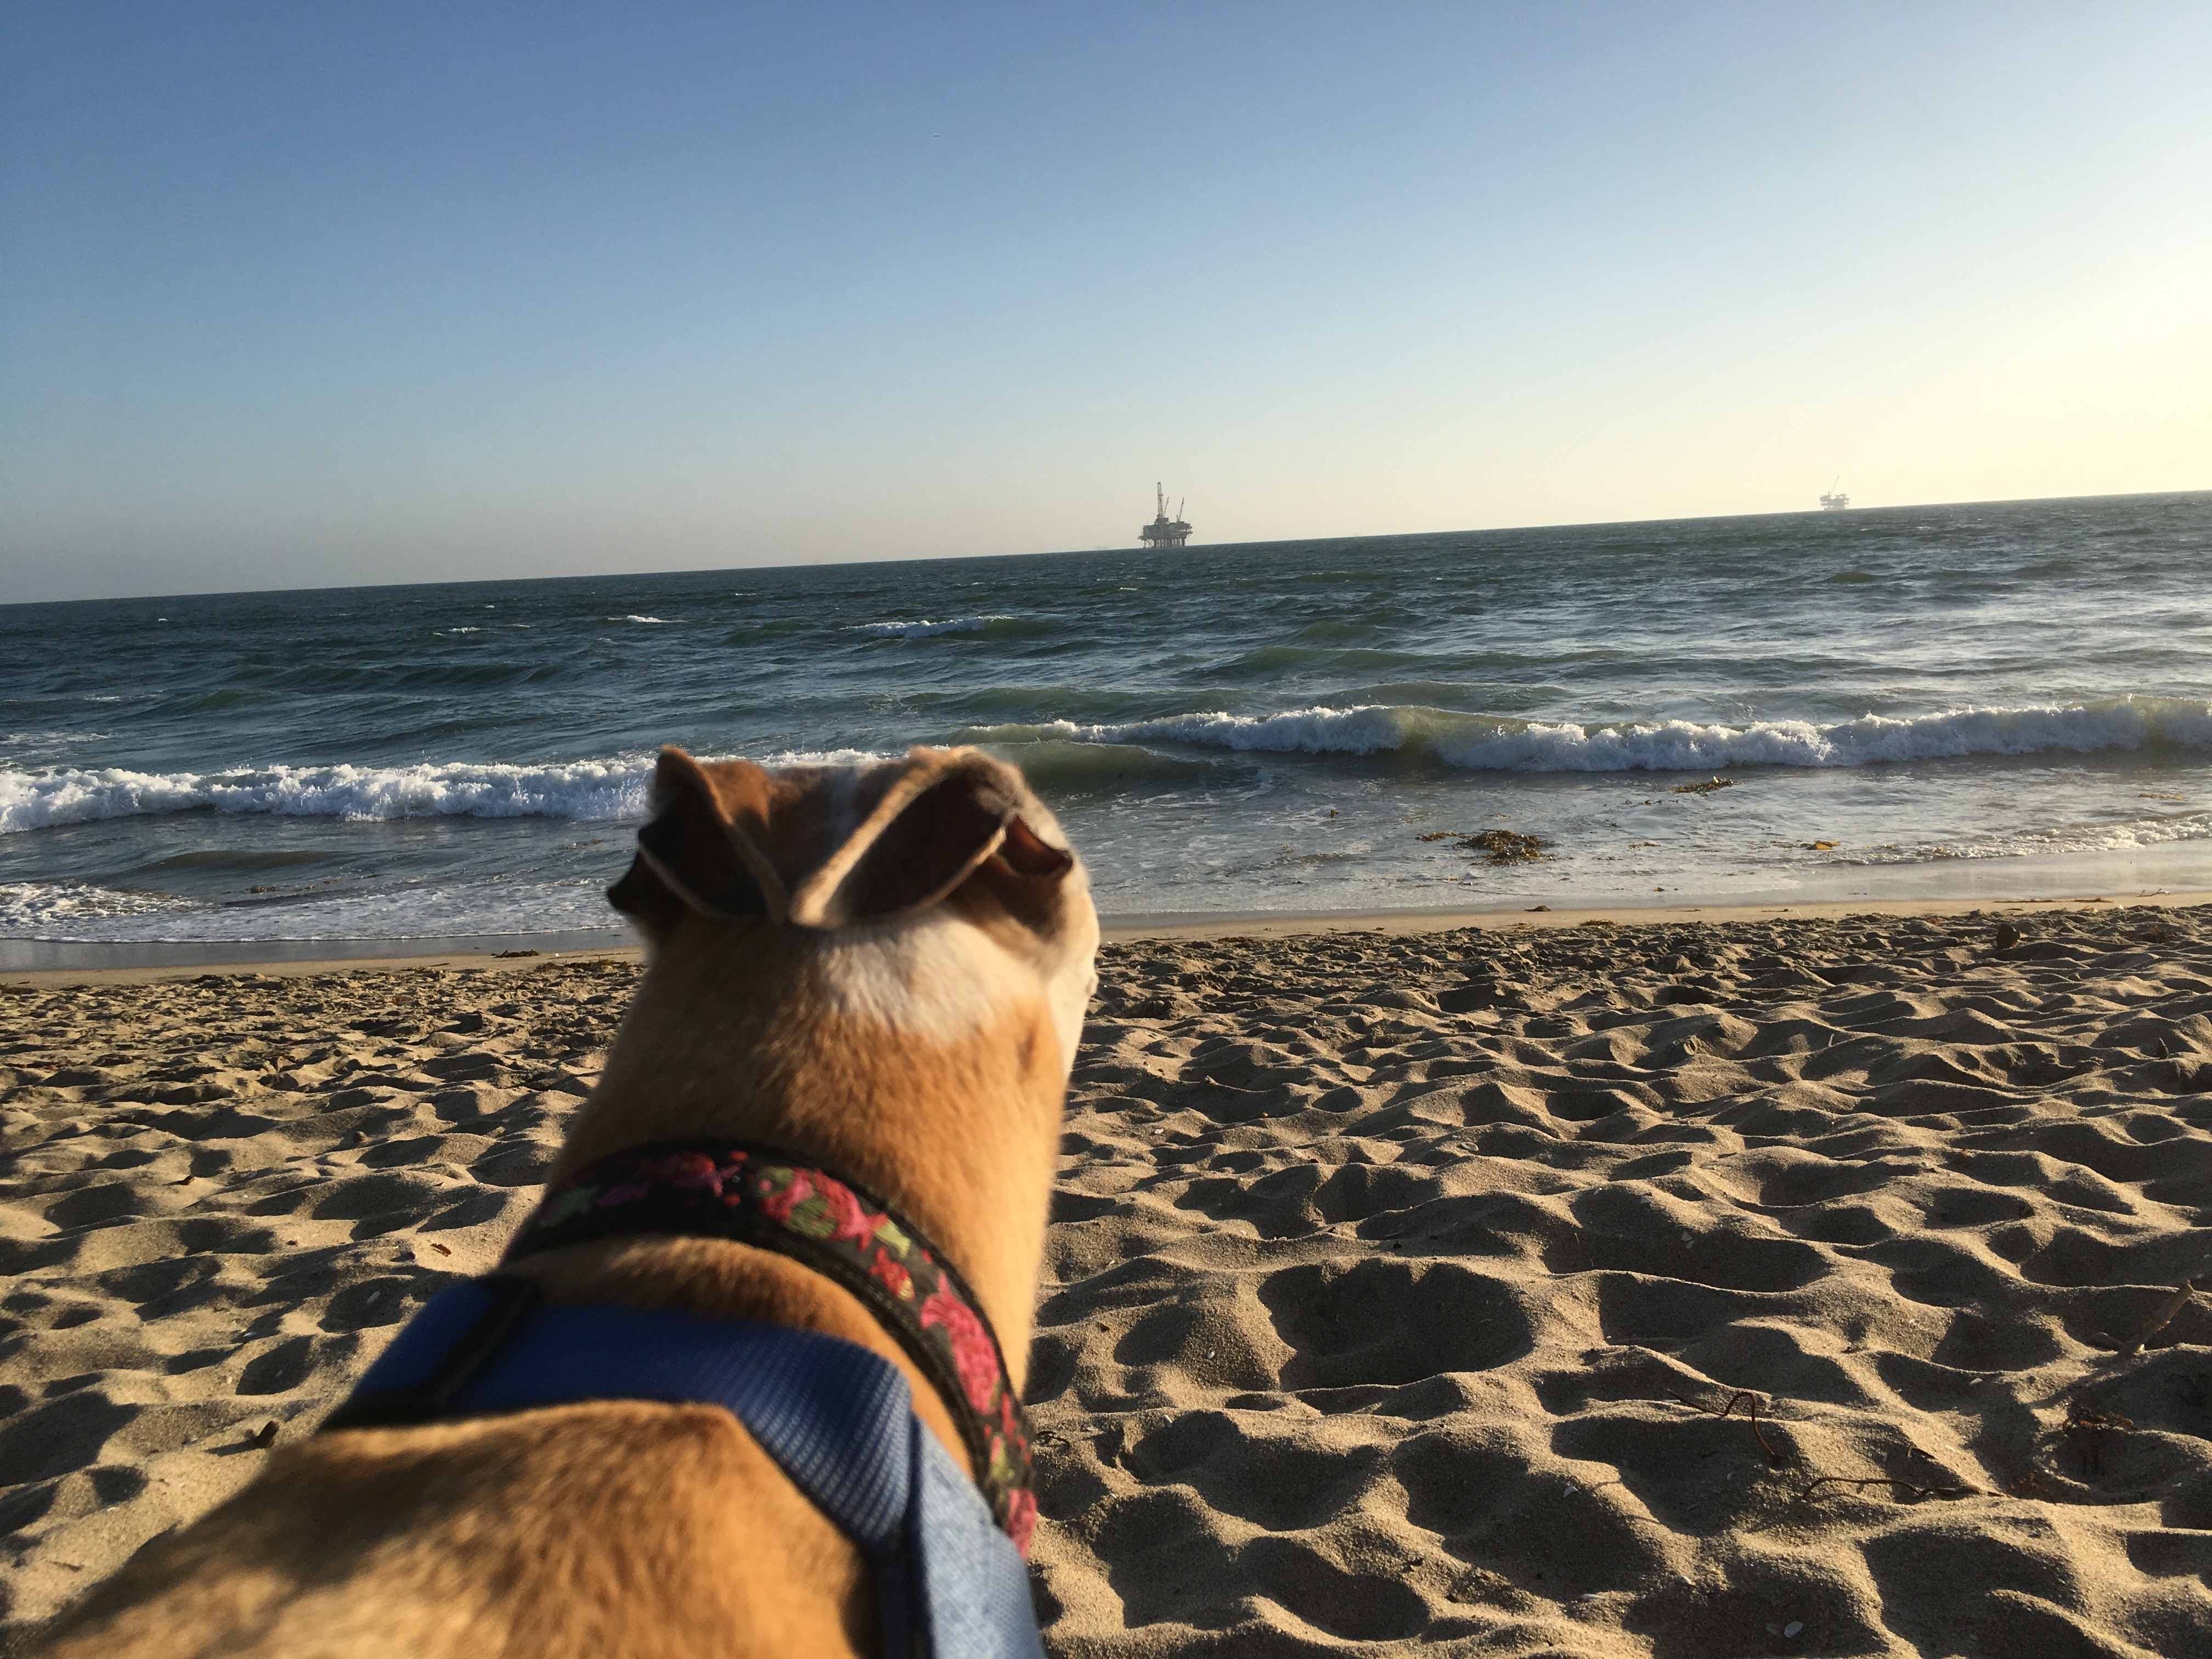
151 962
52 961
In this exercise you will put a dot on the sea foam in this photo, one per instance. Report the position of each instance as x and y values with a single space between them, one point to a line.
82 911
923 630
27 906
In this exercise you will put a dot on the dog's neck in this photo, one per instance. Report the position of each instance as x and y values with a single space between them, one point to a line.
919 1062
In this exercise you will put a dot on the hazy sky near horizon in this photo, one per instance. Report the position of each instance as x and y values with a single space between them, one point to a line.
300 294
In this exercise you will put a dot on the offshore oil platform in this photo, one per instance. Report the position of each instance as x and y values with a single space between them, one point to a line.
1164 531
1835 500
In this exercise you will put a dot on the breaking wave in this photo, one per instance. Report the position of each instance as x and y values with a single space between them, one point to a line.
1057 766
581 789
586 790
1069 755
1490 742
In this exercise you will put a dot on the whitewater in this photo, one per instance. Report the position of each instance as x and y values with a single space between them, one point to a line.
1997 698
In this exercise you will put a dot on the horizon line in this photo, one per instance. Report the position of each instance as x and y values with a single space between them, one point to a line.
1061 553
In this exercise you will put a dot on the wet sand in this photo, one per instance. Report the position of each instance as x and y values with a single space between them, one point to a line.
1398 1282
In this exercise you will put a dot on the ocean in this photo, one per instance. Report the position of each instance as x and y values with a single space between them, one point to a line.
2002 699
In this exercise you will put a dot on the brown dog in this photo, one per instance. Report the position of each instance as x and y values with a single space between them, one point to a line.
883 970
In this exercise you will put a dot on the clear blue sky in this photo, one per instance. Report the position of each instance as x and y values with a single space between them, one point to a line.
295 293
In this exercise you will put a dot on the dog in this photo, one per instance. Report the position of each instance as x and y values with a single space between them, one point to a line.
859 981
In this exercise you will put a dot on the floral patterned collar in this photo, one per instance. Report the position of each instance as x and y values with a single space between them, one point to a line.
774 1201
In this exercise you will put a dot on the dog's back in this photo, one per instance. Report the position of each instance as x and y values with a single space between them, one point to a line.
883 969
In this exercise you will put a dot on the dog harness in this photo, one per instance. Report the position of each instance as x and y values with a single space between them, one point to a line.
945 1550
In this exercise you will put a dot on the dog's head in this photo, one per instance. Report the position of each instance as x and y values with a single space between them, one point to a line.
851 863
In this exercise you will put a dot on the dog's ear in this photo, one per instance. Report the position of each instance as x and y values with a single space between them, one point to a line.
940 820
1031 854
703 849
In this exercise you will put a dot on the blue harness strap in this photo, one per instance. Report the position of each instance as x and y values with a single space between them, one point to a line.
837 1420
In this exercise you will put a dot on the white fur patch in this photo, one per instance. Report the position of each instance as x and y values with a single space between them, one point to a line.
936 978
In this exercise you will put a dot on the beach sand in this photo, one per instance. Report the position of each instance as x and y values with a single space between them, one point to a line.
1398 1286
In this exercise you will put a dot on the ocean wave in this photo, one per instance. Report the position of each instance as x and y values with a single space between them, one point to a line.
820 757
580 789
1491 743
657 622
585 790
1070 756
923 630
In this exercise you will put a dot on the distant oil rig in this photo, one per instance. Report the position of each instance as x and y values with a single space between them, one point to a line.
1835 500
1164 531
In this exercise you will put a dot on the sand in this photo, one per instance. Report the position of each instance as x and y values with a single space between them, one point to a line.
1397 1282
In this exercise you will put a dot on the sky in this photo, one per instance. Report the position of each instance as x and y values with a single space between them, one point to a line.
295 294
